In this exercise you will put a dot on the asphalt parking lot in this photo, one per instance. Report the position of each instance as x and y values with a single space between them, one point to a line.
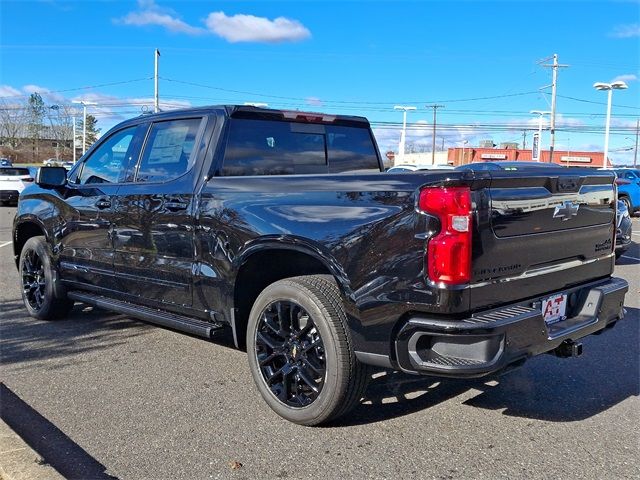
103 396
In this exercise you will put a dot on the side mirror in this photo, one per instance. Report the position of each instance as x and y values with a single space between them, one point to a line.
51 177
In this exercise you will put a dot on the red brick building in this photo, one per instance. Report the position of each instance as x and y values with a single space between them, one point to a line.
462 156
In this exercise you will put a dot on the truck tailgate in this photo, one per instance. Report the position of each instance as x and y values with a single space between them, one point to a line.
541 231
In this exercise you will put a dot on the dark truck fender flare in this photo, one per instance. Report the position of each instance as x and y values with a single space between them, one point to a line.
19 224
299 245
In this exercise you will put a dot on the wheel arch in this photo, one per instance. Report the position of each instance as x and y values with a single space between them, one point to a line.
23 230
266 262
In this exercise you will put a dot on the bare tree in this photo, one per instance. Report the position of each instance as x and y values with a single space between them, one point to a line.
12 124
61 128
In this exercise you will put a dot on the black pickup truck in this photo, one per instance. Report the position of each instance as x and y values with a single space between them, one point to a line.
283 228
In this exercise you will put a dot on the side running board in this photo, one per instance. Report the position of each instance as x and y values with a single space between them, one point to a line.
159 317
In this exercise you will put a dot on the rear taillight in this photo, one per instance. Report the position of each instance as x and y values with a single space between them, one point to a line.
449 251
27 179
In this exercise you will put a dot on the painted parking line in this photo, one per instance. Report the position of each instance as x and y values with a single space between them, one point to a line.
4 244
630 258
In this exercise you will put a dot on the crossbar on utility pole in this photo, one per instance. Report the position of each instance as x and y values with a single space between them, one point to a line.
552 126
433 143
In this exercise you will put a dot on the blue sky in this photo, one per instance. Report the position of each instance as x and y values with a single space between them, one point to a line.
352 57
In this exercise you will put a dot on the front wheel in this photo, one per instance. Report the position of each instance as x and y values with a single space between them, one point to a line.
300 351
42 293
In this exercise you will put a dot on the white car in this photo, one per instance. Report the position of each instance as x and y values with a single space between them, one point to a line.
13 181
415 168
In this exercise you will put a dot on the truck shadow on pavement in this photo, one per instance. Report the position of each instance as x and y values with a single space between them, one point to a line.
55 448
545 388
26 340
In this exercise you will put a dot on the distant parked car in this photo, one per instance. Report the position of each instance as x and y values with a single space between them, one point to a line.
629 188
12 182
51 162
5 162
623 229
415 168
507 165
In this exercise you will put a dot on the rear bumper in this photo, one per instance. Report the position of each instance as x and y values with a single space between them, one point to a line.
493 340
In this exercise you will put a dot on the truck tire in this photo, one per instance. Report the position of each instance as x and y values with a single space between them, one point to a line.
42 293
300 351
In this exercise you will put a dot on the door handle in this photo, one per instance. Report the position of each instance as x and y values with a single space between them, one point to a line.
103 203
174 206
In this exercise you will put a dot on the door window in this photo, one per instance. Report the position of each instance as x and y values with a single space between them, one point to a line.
168 153
109 162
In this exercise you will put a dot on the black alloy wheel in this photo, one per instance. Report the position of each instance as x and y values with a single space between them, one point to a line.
301 353
290 353
43 294
33 280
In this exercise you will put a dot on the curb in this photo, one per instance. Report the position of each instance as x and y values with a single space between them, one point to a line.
18 461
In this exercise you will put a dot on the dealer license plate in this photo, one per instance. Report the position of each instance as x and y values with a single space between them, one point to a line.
554 308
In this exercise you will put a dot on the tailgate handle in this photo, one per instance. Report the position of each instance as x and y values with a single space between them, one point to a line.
567 184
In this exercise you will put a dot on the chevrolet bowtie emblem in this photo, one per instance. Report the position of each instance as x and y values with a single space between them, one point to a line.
566 211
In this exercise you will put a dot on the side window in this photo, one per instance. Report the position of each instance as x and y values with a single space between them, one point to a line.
267 147
168 151
109 162
351 149
630 176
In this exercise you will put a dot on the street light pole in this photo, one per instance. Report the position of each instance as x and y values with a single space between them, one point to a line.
403 134
609 87
540 114
156 96
74 138
84 122
635 153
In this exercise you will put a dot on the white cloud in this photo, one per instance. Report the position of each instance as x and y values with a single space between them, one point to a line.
626 31
151 14
628 77
8 91
236 28
315 101
47 95
249 28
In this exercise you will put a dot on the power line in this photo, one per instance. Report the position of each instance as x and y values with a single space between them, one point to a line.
81 88
353 102
594 102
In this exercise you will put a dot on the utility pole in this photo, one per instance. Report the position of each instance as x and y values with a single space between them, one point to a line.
433 142
524 140
635 153
554 85
156 103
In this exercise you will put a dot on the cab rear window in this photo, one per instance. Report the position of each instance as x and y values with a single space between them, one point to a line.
267 147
